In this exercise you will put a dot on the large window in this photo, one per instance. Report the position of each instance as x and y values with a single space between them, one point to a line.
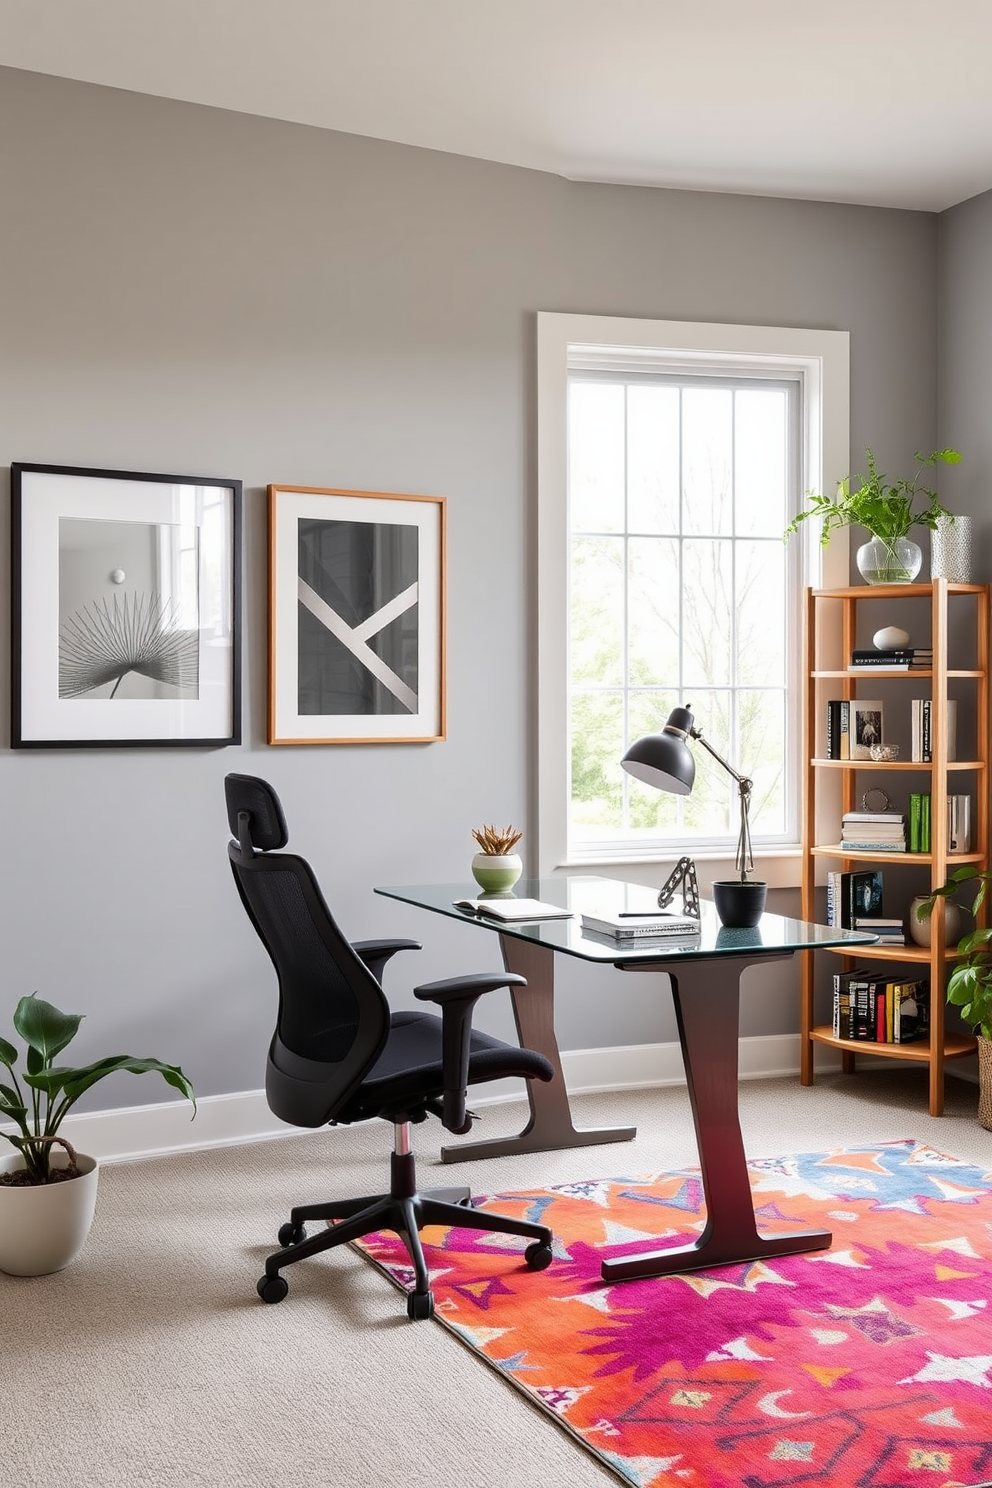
679 489
668 473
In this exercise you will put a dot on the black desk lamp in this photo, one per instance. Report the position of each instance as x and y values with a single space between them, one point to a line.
665 761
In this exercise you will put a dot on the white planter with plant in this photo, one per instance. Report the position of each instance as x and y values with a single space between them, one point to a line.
47 1192
496 867
888 510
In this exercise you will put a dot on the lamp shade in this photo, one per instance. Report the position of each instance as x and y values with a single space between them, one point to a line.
665 760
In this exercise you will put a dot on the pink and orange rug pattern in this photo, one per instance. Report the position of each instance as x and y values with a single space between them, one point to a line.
868 1365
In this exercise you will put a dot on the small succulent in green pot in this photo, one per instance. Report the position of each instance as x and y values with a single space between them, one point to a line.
496 867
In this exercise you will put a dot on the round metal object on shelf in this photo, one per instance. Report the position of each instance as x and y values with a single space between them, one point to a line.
883 803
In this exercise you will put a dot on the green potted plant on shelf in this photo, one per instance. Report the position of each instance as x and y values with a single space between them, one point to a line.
969 986
47 1199
889 510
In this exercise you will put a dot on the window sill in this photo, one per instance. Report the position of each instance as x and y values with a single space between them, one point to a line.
780 867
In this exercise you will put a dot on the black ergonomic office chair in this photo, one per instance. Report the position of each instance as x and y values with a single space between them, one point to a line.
338 1055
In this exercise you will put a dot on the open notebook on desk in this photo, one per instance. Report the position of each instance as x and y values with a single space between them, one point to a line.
514 909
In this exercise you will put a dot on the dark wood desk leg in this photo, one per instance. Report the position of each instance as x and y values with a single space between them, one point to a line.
707 1006
550 1126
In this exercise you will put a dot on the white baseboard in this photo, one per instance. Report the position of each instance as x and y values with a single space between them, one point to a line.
135 1132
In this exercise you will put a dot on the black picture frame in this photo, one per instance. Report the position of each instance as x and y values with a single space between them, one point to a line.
125 609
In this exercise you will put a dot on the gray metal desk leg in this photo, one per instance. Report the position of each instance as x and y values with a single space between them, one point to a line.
707 1005
550 1126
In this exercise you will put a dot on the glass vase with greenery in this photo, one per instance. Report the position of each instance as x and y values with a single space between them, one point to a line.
887 509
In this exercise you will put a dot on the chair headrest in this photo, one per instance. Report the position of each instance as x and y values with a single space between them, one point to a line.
267 824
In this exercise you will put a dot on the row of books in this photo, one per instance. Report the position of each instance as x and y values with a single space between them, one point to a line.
855 724
874 831
897 658
853 896
958 823
883 1010
921 743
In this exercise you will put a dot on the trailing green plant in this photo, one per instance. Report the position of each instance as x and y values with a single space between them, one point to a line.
887 508
969 986
52 1090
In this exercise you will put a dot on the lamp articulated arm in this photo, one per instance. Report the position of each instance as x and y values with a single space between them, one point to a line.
745 858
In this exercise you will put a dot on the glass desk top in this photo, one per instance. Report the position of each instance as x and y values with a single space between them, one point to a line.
587 894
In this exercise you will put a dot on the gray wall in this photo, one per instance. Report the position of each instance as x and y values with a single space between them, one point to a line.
964 388
192 291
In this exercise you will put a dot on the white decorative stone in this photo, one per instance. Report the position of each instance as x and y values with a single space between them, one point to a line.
890 637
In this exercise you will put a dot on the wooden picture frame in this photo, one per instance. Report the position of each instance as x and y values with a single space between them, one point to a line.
126 609
356 617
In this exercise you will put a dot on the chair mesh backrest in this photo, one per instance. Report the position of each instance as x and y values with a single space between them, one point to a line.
332 1012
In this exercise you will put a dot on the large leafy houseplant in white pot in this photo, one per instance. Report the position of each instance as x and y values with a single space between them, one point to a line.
969 986
47 1190
888 510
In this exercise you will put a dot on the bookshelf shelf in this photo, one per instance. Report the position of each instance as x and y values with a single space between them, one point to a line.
837 621
856 855
910 952
860 764
955 1046
917 673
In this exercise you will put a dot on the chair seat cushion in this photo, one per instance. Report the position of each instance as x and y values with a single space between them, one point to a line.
408 1071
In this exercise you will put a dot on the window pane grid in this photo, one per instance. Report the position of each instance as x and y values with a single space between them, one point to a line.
607 804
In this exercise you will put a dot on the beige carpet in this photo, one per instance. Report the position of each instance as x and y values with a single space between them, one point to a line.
151 1363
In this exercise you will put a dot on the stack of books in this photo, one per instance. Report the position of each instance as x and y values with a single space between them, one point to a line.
874 831
889 931
883 1010
899 659
921 747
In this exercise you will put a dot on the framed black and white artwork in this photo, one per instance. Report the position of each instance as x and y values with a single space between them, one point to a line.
866 727
356 617
126 594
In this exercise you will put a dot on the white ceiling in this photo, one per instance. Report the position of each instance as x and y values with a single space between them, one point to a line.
885 102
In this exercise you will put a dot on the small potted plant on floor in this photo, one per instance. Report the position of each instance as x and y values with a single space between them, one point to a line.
969 986
889 511
47 1198
496 867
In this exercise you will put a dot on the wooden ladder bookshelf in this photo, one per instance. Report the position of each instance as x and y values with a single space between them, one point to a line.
835 786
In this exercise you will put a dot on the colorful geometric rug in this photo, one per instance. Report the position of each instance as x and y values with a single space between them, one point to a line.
868 1365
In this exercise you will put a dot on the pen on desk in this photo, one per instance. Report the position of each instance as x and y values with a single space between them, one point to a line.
641 914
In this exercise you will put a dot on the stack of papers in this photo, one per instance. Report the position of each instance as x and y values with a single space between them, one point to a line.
514 909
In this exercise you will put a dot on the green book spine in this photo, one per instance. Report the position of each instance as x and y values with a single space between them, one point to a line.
914 821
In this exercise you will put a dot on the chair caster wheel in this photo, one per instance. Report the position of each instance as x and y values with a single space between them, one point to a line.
538 1256
419 1305
272 1288
291 1234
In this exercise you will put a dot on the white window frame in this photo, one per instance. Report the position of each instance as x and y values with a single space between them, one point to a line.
819 358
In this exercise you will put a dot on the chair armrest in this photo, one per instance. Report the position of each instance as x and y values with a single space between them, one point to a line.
375 953
456 997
